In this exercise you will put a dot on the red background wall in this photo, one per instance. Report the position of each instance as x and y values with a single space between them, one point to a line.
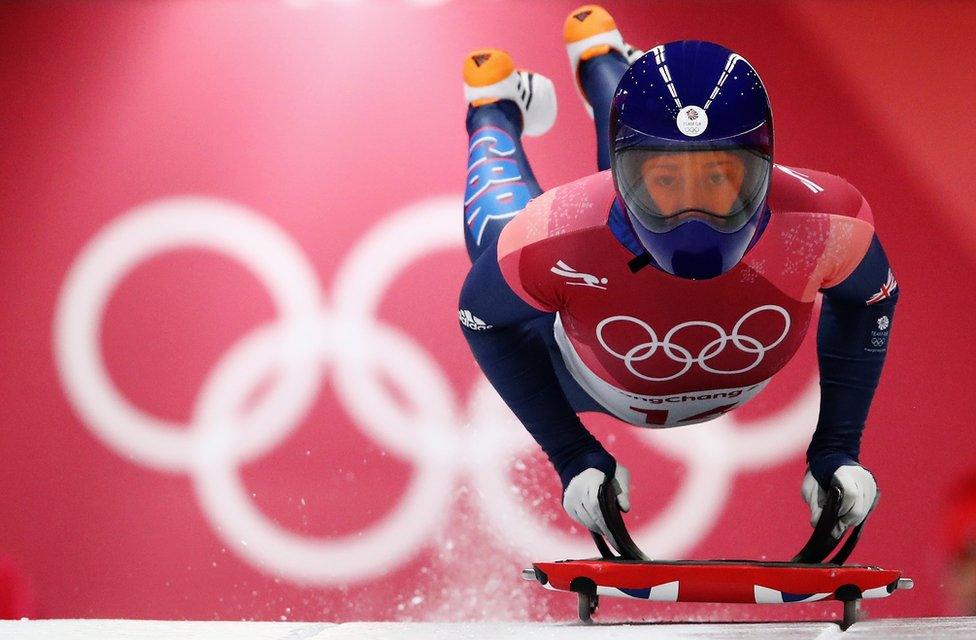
326 121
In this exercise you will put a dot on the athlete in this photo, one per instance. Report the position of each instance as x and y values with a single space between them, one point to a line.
668 288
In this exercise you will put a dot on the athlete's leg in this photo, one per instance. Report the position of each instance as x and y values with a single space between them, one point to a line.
598 57
504 103
599 77
495 130
500 181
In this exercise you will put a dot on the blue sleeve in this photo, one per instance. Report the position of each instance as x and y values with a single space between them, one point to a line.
852 341
499 327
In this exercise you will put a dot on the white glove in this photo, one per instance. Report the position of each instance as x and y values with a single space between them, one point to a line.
581 500
860 495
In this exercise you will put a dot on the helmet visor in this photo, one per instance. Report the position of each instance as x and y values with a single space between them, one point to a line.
664 188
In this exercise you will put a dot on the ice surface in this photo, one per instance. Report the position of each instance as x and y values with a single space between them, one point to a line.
898 629
156 630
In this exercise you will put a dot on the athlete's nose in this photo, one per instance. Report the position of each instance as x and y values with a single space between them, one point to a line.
686 199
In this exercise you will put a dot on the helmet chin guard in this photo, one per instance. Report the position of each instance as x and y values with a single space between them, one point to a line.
691 141
694 249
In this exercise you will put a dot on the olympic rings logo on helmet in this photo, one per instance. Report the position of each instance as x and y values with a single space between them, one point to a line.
681 355
421 424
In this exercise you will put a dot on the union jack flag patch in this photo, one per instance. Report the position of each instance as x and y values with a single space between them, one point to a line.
887 289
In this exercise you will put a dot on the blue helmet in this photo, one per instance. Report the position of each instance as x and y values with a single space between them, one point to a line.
691 145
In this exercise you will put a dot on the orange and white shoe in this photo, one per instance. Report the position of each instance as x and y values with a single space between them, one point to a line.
490 75
588 32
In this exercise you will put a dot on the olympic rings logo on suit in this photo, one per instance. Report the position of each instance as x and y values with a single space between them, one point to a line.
681 355
367 356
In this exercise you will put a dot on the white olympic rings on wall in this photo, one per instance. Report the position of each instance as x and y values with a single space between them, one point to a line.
344 339
681 355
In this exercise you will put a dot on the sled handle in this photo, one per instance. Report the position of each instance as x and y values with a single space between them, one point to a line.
822 541
615 524
815 551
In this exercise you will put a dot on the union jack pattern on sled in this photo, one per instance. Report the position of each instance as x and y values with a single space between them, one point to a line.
807 577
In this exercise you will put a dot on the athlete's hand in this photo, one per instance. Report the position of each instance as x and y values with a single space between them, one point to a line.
860 495
581 498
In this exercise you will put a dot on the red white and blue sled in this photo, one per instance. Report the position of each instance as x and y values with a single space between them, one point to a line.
808 577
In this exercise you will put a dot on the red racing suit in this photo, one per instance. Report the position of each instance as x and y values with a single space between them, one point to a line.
656 350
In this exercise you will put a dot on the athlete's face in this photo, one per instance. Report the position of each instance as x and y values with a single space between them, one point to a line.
708 181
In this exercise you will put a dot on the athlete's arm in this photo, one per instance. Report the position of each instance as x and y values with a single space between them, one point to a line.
852 341
497 324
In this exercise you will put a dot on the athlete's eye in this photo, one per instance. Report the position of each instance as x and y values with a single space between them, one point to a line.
664 181
716 178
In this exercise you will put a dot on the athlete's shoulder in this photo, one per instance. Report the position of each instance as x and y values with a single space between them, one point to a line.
556 225
574 207
847 243
805 190
820 230
804 252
